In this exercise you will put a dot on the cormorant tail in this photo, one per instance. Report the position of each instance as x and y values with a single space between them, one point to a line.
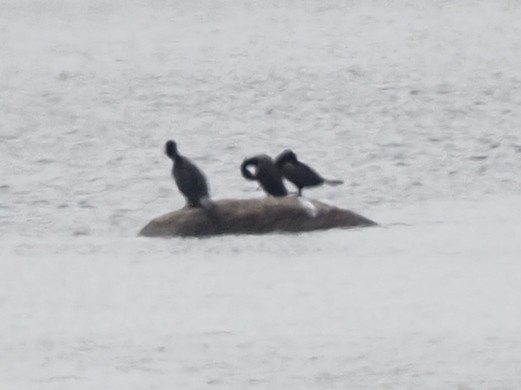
209 207
333 182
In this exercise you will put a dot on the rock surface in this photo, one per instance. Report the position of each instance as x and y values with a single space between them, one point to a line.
254 216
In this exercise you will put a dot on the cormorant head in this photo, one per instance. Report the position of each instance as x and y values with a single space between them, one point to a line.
286 156
171 149
246 173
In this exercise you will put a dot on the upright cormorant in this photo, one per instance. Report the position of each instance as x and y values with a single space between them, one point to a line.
266 173
189 179
299 173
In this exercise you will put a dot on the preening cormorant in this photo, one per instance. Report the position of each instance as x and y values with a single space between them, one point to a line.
189 179
299 173
266 173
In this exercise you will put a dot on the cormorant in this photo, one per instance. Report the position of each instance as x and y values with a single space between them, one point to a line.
299 173
190 180
266 173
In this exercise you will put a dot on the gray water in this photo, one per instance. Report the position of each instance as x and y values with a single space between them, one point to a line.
415 105
404 102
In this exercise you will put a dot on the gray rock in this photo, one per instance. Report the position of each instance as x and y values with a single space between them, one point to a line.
254 216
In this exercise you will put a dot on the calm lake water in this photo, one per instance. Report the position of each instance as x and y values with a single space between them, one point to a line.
415 105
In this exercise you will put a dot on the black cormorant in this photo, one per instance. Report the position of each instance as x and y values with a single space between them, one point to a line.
299 173
266 173
189 179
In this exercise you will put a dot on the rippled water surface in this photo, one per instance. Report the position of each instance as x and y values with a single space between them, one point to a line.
415 105
404 102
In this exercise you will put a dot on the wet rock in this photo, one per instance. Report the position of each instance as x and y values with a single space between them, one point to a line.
254 216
